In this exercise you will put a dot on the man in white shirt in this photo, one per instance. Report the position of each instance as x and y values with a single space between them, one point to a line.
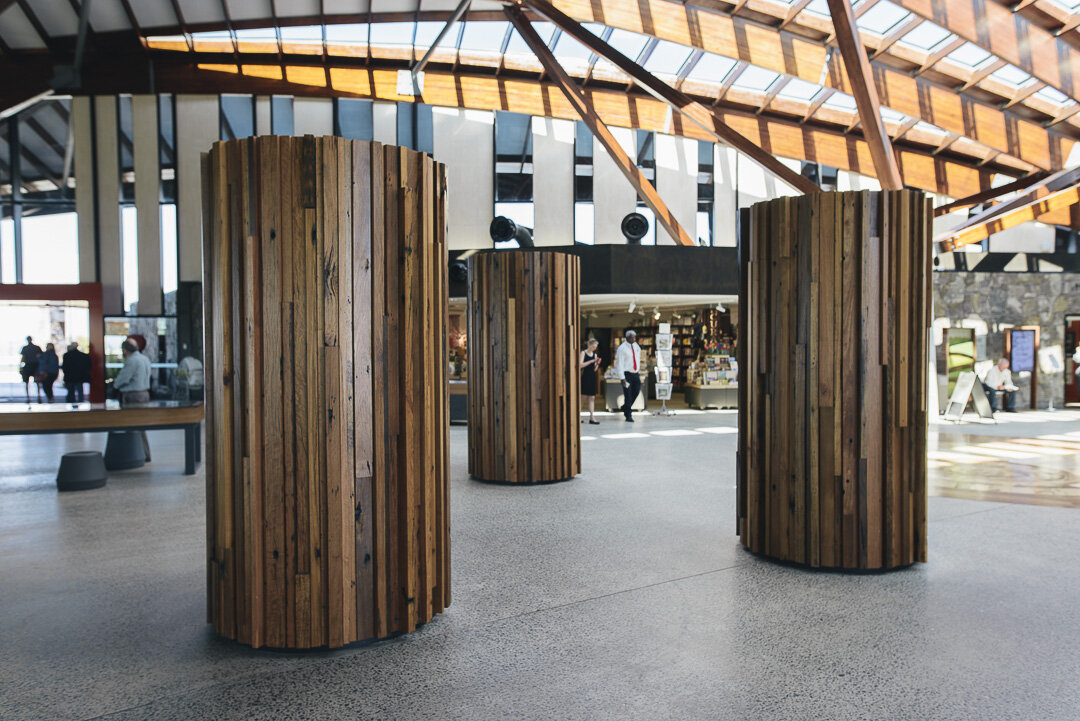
133 380
999 378
628 366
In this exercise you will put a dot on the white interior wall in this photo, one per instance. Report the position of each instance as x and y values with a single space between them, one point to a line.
464 140
757 184
108 199
613 196
1033 237
196 131
553 181
725 203
262 115
82 125
147 201
313 116
384 121
676 183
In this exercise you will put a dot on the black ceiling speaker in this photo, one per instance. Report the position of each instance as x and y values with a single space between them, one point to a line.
634 227
502 229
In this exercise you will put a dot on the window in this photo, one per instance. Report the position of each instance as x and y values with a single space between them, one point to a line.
583 184
129 258
705 193
125 127
50 242
354 119
414 119
7 246
237 116
513 167
281 115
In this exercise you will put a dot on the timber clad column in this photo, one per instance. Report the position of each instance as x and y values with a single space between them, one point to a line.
834 303
325 296
524 381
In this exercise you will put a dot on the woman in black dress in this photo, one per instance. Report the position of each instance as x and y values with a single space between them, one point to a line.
589 362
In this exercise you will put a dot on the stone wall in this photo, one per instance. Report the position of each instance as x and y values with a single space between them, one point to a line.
991 303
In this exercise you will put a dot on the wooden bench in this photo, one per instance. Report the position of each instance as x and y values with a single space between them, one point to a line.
22 419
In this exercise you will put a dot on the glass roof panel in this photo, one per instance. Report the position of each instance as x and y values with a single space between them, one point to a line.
308 33
892 116
389 33
969 54
755 78
799 90
840 101
926 36
667 57
628 43
882 18
427 31
215 35
484 35
1053 95
352 33
711 68
1011 75
517 45
568 48
821 7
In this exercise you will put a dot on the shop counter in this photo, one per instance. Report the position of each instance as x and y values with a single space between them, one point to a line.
613 394
699 396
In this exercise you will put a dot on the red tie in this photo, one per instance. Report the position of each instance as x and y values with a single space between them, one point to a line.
634 355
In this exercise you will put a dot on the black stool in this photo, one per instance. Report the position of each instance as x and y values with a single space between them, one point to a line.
124 450
81 471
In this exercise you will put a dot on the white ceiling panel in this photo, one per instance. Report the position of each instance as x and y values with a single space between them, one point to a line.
154 13
108 15
57 17
248 9
203 11
295 8
17 31
345 7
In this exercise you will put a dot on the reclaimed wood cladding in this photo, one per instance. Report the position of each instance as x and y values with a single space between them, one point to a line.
835 310
524 381
327 458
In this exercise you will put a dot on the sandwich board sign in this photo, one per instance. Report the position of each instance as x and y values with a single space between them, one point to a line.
967 388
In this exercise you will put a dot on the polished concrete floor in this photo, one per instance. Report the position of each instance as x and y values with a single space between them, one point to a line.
623 594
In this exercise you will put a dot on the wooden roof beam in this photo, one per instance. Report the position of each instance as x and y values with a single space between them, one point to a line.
861 78
1057 191
990 194
678 100
646 191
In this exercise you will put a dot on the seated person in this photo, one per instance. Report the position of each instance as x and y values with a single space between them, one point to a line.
999 378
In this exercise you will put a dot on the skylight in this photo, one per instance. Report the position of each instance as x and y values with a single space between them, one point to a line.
969 54
355 33
799 90
484 35
628 43
891 116
517 44
882 18
755 78
667 57
927 36
313 33
1011 75
840 101
1052 95
387 33
567 48
711 68
426 32
821 7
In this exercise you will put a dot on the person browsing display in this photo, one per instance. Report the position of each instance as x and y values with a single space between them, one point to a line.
628 367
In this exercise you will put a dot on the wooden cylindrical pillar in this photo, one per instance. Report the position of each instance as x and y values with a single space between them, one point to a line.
325 294
524 425
834 308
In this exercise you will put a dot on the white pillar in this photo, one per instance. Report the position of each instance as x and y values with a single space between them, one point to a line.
676 183
82 124
465 142
384 123
553 181
613 196
108 208
262 115
725 204
196 130
144 109
313 116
